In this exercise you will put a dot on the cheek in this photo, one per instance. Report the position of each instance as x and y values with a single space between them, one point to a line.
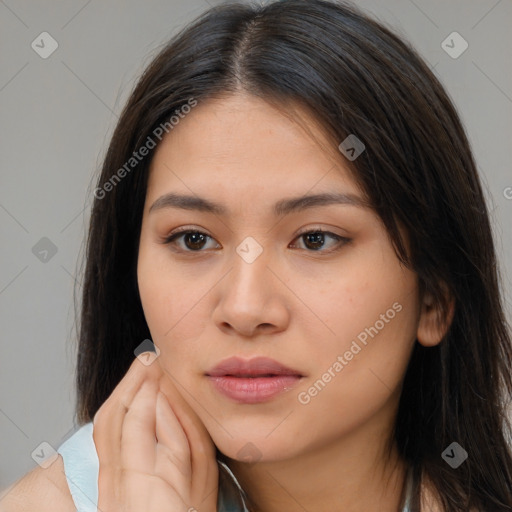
357 381
173 309
364 297
159 289
372 313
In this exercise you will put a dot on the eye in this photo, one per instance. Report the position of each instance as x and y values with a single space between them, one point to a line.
194 240
315 240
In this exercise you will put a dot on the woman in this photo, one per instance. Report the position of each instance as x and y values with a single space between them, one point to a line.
290 211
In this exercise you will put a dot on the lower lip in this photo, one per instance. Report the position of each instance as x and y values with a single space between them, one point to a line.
248 390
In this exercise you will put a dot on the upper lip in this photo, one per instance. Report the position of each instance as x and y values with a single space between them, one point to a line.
239 367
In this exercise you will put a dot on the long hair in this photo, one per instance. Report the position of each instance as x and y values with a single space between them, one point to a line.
355 76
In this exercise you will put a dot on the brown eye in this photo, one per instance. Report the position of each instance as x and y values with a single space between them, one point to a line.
315 240
193 240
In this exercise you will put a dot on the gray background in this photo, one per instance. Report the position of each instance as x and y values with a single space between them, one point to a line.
57 115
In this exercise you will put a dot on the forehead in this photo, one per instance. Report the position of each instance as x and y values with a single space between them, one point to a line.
242 146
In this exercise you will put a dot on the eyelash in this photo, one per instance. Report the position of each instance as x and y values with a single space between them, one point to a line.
170 240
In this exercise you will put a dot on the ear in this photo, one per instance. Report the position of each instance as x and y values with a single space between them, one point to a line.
434 322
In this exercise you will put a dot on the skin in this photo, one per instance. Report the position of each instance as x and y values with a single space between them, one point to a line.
300 306
204 303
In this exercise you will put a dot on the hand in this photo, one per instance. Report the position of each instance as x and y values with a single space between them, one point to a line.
155 454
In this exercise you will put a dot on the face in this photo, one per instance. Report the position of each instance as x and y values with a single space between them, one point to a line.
247 281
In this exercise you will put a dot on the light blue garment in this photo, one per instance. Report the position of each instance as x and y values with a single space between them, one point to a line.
408 492
81 466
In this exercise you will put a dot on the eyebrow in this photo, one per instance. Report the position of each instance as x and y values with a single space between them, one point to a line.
282 207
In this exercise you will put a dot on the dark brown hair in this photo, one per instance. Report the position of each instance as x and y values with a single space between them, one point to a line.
355 76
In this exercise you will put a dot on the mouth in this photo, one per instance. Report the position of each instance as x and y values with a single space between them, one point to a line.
252 381
251 368
250 376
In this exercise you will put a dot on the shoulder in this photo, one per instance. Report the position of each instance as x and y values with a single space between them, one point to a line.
44 490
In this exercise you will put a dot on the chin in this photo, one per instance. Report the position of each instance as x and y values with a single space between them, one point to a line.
257 448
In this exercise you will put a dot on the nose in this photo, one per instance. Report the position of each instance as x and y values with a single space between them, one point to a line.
252 297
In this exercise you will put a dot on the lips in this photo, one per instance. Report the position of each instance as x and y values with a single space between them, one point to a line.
252 368
252 381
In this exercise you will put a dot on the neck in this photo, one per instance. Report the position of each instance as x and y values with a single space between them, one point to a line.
353 473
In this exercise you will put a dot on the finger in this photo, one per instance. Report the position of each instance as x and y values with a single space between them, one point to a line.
173 450
107 422
138 441
202 449
175 393
107 431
